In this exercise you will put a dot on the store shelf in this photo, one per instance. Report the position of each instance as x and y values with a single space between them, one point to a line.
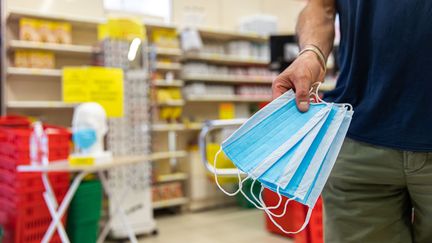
172 103
176 127
172 83
228 79
194 126
223 59
58 48
171 177
34 72
168 127
225 98
171 52
229 35
168 155
39 105
15 14
168 66
170 203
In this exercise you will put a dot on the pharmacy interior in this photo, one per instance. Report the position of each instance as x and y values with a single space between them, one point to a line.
113 113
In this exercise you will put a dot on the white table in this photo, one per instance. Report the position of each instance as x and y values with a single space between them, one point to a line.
57 211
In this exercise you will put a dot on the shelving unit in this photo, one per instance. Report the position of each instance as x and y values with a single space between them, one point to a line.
172 177
57 48
176 127
23 86
230 79
172 83
223 59
34 72
170 52
172 103
168 155
39 105
170 203
229 35
225 98
168 66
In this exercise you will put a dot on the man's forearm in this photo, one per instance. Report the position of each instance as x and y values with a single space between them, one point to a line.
316 25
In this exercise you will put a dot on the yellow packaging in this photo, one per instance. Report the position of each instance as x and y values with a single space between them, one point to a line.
162 95
176 113
62 32
226 111
21 59
165 113
41 59
28 30
175 94
46 31
165 38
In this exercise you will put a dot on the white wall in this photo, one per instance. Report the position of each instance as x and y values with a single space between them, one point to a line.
218 14
84 8
225 14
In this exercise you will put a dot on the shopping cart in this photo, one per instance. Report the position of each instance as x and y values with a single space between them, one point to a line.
209 127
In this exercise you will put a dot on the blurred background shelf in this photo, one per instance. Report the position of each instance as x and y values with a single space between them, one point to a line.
225 98
171 52
172 103
231 35
168 66
168 155
58 48
165 83
170 203
228 79
171 177
176 127
223 59
39 104
34 72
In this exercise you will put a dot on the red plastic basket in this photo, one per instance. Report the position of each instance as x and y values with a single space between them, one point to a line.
29 224
316 223
23 211
294 219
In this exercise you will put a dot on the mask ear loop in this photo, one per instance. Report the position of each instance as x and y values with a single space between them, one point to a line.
257 200
308 216
265 208
273 214
240 183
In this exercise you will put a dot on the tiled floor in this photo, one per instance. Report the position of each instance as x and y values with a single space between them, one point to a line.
229 225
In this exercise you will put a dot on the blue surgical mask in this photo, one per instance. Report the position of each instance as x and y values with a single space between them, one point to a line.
84 138
289 152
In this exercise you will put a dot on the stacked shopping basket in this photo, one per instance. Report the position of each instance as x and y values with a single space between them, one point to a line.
23 212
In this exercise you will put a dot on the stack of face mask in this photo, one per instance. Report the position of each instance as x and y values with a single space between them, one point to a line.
289 152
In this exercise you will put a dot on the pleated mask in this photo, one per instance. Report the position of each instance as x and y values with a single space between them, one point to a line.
289 152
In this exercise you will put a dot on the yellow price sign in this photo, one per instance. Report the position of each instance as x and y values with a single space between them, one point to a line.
95 84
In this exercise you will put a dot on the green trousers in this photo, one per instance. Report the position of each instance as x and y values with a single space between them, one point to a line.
378 195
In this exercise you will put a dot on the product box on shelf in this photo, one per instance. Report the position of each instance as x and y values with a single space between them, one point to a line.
34 59
45 31
167 191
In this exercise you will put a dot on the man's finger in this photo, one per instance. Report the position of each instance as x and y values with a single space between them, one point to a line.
280 85
302 88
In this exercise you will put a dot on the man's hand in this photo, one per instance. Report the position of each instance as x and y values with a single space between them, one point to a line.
300 76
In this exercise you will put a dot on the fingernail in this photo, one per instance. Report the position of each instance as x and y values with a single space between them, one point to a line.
303 105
